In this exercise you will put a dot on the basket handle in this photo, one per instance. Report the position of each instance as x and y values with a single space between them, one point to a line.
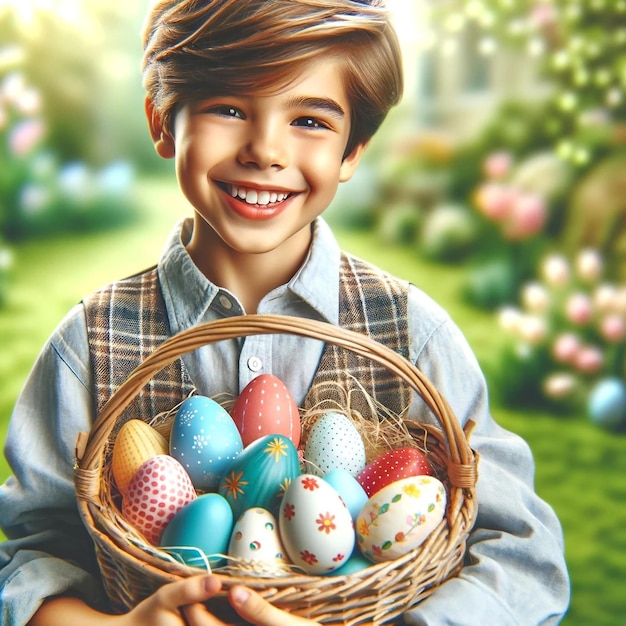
463 461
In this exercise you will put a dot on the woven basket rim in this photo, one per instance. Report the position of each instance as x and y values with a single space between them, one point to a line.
246 325
461 461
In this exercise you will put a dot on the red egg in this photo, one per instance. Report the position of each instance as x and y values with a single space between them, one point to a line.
266 407
391 466
156 492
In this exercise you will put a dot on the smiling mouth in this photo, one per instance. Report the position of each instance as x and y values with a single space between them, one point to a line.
257 197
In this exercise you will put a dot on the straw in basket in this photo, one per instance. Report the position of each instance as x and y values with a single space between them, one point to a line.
374 595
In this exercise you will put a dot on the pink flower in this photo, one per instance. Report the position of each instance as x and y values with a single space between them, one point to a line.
604 297
497 165
565 348
510 319
535 297
613 328
543 14
556 270
25 136
579 309
589 360
620 301
559 385
29 102
533 329
589 265
527 216
494 200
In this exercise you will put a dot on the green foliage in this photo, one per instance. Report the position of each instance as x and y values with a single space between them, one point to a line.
579 47
597 215
448 234
39 195
87 68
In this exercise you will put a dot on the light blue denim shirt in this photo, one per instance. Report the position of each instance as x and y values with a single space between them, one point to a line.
515 571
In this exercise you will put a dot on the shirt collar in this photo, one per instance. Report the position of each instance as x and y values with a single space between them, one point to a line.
190 298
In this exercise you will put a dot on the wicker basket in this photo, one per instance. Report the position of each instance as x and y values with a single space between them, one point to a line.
376 594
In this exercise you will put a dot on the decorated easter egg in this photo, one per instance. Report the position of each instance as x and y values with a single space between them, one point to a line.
156 492
260 474
334 442
391 466
204 440
135 443
399 517
205 525
315 525
354 564
255 541
266 407
348 487
607 403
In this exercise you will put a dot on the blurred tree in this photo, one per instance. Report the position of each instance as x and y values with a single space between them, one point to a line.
579 45
84 59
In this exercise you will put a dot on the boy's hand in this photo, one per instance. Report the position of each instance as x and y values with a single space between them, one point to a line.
175 604
164 606
255 610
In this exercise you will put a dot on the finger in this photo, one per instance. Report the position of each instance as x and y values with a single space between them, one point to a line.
254 609
198 615
191 590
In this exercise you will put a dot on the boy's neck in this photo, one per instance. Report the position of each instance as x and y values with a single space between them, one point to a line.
250 277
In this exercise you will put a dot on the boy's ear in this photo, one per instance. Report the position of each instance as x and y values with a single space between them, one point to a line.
161 138
351 162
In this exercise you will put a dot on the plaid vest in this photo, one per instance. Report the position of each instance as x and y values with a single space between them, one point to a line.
127 320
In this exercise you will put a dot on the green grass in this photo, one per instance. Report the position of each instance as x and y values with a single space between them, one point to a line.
581 470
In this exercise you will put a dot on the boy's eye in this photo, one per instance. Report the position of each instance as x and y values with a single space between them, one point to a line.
226 110
309 122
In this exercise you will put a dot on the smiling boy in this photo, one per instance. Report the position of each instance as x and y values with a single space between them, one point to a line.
258 171
265 107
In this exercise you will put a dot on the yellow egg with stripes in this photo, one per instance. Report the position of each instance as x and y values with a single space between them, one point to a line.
136 442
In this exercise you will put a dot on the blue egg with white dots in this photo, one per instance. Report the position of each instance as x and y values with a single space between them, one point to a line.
204 440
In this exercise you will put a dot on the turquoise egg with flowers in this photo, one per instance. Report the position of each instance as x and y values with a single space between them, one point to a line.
260 475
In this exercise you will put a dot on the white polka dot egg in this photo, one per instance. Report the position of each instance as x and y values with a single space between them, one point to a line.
334 443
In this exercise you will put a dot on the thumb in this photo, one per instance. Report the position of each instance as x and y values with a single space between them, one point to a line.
254 609
187 591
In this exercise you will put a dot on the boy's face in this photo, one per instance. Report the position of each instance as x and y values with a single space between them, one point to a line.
259 169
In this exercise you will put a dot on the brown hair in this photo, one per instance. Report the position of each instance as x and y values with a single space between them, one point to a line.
198 47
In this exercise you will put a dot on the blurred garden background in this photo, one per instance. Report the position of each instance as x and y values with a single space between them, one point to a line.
498 186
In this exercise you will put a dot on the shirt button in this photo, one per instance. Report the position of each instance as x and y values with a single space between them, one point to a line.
225 301
254 364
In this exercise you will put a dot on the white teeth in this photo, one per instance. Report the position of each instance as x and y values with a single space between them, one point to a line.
252 196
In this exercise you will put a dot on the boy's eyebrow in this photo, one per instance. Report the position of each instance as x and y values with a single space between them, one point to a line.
323 104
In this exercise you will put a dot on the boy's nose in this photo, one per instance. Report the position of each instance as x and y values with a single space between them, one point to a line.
264 148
